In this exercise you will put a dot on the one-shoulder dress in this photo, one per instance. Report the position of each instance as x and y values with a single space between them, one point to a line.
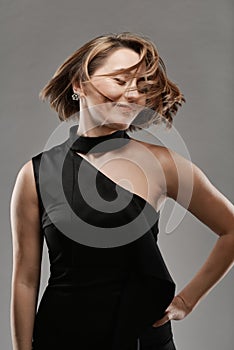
100 294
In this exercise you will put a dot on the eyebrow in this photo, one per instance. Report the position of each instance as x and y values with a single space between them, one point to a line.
118 69
124 74
115 71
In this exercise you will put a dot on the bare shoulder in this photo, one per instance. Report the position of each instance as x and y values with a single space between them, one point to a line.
176 169
26 175
174 166
164 155
26 171
189 185
24 200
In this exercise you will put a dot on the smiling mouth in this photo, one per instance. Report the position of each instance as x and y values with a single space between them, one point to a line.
125 107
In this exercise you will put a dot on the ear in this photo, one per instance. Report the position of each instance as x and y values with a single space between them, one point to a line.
78 88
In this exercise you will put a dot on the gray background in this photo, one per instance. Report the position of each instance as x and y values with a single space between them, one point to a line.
195 40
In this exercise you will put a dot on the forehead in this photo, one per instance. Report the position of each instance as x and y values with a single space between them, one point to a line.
121 58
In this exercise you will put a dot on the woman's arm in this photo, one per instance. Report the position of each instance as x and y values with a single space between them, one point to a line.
27 251
213 209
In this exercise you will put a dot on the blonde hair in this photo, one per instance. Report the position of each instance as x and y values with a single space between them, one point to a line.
162 95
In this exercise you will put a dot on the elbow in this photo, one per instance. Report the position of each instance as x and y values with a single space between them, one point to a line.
28 278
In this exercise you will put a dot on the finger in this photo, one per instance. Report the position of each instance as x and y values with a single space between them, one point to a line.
162 321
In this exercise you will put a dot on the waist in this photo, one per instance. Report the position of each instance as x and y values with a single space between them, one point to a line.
87 276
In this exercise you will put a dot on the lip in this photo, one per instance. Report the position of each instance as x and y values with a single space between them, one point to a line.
125 107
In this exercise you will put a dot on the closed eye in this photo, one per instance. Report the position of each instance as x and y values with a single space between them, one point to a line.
120 81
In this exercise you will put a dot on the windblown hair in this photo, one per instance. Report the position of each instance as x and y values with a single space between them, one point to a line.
163 97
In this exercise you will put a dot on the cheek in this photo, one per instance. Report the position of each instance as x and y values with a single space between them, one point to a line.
110 90
142 100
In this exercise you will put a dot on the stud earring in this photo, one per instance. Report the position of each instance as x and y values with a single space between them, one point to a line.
75 96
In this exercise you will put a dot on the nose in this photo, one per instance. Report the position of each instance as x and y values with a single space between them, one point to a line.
131 92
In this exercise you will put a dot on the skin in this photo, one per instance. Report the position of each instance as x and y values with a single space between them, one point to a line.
206 203
27 253
99 100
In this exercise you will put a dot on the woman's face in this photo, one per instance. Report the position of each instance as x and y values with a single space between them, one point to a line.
116 98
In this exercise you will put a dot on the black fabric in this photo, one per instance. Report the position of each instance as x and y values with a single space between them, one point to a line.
102 298
159 338
90 144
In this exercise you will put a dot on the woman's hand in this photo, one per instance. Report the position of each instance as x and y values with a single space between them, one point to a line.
177 310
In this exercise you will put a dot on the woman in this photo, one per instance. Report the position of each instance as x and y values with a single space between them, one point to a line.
88 194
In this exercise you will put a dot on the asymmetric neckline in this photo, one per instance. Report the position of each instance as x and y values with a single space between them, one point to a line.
93 144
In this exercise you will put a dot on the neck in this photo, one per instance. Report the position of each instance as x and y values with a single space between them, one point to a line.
92 123
90 129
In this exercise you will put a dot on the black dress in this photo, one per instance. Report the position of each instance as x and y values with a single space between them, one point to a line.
100 294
